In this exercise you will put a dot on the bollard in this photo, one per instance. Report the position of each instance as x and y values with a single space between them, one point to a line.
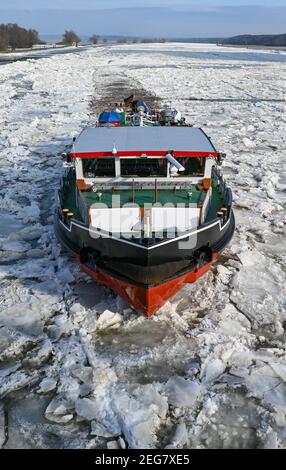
70 216
64 214
224 211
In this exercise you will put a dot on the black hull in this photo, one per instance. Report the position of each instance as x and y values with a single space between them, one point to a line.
146 263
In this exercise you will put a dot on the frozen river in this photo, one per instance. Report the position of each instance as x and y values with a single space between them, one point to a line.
211 53
78 367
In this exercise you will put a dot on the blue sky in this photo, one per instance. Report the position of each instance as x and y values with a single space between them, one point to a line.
83 4
168 18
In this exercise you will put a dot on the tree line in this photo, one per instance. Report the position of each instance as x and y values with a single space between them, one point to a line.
141 41
270 40
14 37
70 37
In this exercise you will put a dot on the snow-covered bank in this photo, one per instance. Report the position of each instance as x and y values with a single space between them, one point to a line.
39 53
78 367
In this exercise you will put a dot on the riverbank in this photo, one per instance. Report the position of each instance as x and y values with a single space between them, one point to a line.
24 54
259 48
34 49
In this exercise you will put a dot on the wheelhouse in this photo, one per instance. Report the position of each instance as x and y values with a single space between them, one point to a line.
135 153
128 169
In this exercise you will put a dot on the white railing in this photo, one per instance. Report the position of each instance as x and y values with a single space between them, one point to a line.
206 204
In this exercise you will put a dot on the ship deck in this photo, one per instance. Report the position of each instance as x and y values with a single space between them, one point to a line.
180 196
146 196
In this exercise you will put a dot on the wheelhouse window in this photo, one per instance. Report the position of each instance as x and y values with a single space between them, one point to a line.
194 166
98 167
140 167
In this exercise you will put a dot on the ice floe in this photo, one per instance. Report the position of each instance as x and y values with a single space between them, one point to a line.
77 365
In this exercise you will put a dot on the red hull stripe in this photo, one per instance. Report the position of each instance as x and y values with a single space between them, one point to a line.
146 300
137 153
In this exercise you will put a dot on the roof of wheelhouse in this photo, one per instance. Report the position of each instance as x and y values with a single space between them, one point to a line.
133 141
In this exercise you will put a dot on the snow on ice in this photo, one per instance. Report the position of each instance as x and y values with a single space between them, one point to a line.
78 367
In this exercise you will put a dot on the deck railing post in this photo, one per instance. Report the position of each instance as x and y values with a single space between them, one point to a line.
133 191
156 191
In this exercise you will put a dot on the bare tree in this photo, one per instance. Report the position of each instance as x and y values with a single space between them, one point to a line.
4 41
12 35
70 37
94 39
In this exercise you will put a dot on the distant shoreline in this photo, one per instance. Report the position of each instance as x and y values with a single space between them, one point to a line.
260 48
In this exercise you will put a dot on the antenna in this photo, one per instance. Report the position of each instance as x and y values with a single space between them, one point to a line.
114 150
